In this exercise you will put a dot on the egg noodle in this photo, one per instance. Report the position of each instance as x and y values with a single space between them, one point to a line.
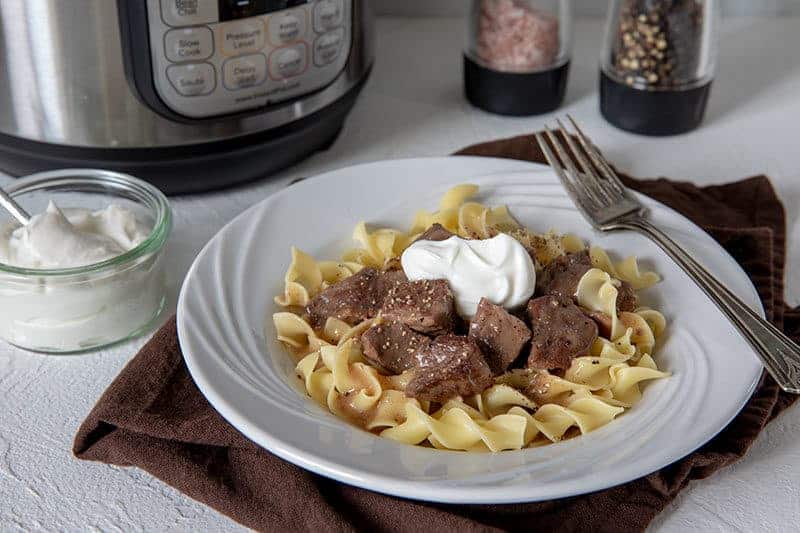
523 407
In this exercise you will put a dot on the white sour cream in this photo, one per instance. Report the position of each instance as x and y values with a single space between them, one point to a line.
499 269
71 238
74 312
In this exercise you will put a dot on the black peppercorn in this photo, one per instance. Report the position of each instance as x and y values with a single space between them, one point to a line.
658 42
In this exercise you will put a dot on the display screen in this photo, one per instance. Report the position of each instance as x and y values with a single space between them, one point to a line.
239 9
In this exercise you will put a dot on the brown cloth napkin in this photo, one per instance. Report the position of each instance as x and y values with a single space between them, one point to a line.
153 417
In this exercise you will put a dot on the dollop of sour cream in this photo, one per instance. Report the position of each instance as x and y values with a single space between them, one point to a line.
71 238
498 269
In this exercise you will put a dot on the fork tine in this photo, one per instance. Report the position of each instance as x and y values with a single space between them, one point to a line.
571 169
572 190
589 177
598 160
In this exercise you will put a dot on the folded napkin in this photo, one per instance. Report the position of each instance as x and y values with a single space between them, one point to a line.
153 417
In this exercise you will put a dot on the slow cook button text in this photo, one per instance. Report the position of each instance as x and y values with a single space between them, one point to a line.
187 44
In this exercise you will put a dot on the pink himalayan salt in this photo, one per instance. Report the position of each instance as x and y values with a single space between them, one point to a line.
515 36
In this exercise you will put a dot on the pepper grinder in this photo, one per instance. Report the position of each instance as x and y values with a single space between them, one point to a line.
516 59
658 64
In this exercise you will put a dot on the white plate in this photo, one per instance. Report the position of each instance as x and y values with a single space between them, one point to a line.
230 349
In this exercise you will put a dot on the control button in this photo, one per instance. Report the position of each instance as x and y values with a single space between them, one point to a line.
327 47
245 71
287 27
188 12
328 14
192 79
242 37
188 44
288 61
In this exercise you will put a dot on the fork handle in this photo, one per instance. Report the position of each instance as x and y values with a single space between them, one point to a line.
777 352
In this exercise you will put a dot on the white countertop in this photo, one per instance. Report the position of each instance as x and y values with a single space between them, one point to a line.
413 106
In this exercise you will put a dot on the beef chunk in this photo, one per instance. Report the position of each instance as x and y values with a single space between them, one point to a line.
436 232
603 322
449 366
499 335
426 306
392 346
388 280
354 299
560 332
626 297
538 388
561 276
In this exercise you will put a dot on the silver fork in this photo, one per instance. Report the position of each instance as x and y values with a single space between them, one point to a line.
607 205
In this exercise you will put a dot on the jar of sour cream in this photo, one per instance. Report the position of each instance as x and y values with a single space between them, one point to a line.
55 308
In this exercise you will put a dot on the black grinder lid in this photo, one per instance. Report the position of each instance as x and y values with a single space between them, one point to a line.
514 93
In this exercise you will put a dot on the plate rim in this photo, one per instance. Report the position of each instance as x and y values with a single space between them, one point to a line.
413 489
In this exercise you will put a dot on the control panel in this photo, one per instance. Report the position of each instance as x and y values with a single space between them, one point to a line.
216 57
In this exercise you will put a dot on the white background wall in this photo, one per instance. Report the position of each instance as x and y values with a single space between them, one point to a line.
582 7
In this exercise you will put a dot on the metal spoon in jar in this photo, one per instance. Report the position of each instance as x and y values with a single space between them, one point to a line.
14 208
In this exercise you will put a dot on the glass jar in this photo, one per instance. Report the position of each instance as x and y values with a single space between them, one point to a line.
658 63
76 309
516 58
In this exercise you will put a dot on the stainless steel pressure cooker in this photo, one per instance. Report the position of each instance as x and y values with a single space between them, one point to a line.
189 94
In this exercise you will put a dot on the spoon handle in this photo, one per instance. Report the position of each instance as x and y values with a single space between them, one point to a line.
13 207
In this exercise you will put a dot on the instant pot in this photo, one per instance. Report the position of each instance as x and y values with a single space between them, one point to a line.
188 94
